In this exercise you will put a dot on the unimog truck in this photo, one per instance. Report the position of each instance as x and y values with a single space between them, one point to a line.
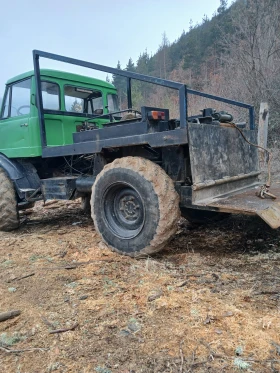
63 136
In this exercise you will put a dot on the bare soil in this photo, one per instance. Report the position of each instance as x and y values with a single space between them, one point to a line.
210 302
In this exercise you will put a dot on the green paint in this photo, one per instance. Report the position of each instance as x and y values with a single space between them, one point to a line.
19 131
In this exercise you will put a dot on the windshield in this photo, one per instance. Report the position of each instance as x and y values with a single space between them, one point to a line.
113 104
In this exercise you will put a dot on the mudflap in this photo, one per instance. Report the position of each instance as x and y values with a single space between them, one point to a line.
225 171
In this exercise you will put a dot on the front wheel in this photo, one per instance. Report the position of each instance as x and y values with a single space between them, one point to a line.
135 207
9 218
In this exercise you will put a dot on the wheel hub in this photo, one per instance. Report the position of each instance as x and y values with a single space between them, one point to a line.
124 210
129 208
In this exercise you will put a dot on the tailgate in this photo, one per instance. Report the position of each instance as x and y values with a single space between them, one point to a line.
225 170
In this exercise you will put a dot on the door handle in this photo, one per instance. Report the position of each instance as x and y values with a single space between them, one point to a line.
33 100
24 124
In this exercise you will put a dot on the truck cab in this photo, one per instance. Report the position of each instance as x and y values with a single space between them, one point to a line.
68 101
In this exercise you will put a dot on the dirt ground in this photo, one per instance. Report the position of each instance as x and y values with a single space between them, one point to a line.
210 302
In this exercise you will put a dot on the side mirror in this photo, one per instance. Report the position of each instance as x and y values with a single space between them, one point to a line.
98 111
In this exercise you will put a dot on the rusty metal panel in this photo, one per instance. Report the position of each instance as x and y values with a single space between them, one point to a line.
225 171
222 162
217 152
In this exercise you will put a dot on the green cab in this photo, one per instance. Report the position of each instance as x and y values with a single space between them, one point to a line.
68 101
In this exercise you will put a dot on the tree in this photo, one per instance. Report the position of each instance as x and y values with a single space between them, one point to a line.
163 57
77 106
254 50
222 7
130 65
120 83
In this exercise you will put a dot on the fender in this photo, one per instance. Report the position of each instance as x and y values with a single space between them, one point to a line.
23 174
11 167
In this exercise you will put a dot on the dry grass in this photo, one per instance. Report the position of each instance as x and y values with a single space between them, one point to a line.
212 292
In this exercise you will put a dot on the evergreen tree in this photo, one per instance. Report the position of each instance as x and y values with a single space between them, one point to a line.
163 57
130 65
120 83
223 6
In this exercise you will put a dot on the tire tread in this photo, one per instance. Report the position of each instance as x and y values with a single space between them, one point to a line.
9 218
168 200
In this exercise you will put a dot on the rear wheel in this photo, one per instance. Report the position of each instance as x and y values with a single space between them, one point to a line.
135 207
9 218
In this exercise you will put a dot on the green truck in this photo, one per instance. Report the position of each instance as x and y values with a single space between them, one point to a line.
63 136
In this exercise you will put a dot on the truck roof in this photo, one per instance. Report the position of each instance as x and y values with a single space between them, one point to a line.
65 76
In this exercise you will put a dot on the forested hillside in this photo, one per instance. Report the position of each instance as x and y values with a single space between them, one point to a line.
235 54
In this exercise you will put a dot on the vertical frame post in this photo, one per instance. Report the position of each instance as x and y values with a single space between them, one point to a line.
39 99
183 106
128 90
252 118
263 130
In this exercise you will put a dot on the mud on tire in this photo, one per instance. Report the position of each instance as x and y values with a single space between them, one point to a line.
9 218
135 207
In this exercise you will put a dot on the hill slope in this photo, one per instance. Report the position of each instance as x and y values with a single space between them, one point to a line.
235 54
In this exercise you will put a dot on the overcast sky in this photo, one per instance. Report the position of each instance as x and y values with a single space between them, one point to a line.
97 31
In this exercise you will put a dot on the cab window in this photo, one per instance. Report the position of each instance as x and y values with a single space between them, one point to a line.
6 101
50 95
20 98
83 100
113 105
17 99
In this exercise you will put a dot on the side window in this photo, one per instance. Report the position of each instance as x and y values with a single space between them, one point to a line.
50 95
113 103
82 100
20 104
97 103
6 101
74 101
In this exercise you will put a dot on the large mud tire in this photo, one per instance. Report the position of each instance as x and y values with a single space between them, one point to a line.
135 207
9 218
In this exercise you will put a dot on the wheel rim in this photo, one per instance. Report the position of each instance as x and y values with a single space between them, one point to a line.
123 210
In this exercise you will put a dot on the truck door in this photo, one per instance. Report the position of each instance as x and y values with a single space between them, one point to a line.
53 117
14 121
